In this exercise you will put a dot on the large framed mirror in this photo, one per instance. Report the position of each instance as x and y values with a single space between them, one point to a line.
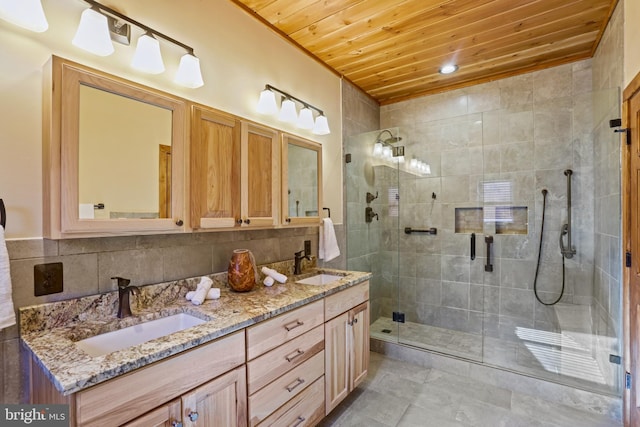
121 164
301 181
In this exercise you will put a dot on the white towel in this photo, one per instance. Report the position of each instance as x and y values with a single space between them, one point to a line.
202 290
7 313
274 274
268 281
214 293
328 244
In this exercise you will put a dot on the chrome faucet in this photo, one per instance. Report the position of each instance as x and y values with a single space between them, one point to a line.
124 306
297 261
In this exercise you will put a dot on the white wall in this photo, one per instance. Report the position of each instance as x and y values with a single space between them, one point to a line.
238 56
631 40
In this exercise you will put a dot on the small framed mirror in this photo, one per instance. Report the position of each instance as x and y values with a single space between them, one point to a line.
301 181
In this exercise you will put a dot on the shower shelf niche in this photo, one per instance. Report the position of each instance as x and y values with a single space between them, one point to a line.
506 219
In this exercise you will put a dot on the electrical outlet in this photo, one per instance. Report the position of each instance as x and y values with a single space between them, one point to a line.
47 278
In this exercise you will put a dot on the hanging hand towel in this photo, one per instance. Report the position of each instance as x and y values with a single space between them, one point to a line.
328 244
7 313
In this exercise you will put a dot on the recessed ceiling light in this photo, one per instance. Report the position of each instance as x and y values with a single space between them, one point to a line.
448 69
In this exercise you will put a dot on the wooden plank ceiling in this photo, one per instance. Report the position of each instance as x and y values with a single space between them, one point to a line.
393 49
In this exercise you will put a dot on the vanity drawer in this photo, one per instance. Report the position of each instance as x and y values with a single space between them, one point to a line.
342 301
125 397
271 333
280 391
266 368
305 409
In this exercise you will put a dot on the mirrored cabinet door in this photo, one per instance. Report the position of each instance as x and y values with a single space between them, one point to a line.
301 179
113 155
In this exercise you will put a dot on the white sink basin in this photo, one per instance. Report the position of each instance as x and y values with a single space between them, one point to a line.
320 279
133 335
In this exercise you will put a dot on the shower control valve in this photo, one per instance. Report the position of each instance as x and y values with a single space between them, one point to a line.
369 214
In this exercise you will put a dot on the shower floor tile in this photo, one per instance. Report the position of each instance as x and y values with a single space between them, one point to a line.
560 357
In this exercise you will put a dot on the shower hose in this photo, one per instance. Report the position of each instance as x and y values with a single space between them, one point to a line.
535 279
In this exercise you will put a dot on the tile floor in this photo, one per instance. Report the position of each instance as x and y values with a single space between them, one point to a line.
398 393
567 357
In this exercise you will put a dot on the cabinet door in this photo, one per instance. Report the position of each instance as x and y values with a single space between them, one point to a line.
215 169
336 360
167 415
221 402
260 176
359 342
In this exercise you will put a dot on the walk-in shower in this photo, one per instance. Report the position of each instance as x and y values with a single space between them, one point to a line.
465 281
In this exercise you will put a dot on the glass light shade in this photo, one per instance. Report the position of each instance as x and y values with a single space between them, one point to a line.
427 169
189 74
413 163
322 126
305 119
147 57
377 149
400 159
267 102
24 13
387 153
288 111
93 33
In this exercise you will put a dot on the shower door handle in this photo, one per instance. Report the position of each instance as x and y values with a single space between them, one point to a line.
473 246
488 266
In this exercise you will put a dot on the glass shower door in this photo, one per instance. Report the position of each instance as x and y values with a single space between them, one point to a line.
372 195
441 290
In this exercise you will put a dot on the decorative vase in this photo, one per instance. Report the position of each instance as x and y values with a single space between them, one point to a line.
242 271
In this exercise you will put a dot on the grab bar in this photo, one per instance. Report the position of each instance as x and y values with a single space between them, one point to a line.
569 251
432 230
473 246
3 215
488 266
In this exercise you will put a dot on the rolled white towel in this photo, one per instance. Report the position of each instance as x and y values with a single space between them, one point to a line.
202 290
268 281
214 293
277 276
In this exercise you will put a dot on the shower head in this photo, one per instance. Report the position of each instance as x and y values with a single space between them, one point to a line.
392 139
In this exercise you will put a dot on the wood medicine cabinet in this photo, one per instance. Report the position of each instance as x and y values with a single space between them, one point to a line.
113 155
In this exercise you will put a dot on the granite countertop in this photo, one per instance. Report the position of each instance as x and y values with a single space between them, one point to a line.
49 331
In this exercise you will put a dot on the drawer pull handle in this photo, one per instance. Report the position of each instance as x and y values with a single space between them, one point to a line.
193 416
294 385
291 326
299 421
176 424
295 355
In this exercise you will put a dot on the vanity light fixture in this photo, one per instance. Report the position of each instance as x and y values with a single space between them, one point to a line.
27 14
288 112
93 33
147 57
267 104
305 118
102 23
